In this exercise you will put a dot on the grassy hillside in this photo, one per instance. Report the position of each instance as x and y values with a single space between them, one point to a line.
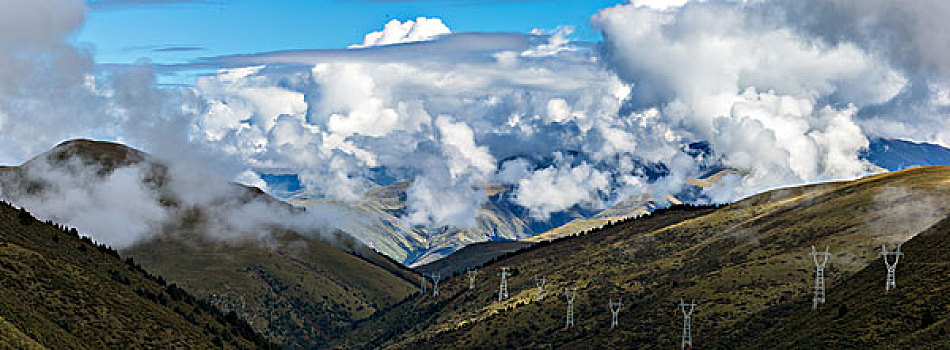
298 290
859 313
60 291
736 262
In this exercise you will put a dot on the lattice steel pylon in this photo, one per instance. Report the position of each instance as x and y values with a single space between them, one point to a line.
422 283
687 341
569 294
471 278
615 312
435 283
539 283
819 297
891 282
503 287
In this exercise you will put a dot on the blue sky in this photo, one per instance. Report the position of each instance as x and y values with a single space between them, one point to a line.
179 32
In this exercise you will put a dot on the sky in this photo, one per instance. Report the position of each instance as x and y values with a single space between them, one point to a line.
603 104
123 32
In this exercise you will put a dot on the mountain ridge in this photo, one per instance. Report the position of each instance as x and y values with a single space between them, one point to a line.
297 289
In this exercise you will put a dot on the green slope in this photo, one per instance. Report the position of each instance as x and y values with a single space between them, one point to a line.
736 261
60 291
298 291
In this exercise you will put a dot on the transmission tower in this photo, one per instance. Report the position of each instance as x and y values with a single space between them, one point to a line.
503 288
570 294
539 283
614 311
891 282
422 283
819 297
435 283
471 278
687 315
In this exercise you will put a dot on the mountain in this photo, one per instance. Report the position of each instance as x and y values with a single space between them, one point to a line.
58 290
380 224
299 289
736 261
893 154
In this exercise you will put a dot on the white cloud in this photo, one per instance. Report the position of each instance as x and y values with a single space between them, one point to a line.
464 155
396 32
558 41
749 87
250 178
364 115
659 4
555 189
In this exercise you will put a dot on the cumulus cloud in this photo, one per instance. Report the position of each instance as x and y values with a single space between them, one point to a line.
396 32
909 36
721 73
556 189
444 124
